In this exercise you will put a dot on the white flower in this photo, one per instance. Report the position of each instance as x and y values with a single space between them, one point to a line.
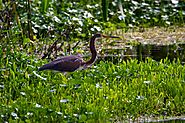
38 106
64 100
23 93
175 1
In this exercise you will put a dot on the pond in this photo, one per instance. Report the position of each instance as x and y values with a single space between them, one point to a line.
142 51
170 120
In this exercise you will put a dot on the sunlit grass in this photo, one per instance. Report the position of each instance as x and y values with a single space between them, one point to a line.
105 92
152 35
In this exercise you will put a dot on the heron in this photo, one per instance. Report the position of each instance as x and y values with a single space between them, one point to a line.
74 62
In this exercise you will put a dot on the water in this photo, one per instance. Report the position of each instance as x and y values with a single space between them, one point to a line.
142 51
169 121
180 119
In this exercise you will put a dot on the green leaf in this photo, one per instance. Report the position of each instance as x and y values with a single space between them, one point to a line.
45 5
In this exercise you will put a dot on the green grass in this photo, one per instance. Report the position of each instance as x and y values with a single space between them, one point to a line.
106 92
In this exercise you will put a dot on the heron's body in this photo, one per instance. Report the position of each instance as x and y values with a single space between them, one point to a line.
73 62
64 63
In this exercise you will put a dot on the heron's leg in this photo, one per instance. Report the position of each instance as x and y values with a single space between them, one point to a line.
67 75
86 67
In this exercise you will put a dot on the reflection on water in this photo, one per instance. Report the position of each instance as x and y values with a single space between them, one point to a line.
141 51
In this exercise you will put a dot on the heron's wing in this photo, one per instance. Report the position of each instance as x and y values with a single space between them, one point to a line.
64 64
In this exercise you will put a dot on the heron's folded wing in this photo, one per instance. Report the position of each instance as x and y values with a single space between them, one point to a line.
67 64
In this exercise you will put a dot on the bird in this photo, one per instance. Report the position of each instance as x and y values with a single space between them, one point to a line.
74 62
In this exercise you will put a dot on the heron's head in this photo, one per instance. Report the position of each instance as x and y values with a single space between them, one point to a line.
98 36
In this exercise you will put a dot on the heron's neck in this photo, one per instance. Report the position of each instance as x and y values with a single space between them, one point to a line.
93 51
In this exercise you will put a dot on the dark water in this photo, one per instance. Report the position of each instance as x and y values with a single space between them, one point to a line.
142 51
170 121
180 119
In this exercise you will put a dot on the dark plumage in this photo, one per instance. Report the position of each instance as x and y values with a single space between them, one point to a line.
73 62
63 64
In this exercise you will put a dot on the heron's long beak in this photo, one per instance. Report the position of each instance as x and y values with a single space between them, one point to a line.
106 36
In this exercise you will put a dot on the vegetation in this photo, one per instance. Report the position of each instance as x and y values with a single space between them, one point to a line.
106 92
36 19
33 31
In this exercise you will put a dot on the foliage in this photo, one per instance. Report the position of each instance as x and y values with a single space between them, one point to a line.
106 92
51 18
105 9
